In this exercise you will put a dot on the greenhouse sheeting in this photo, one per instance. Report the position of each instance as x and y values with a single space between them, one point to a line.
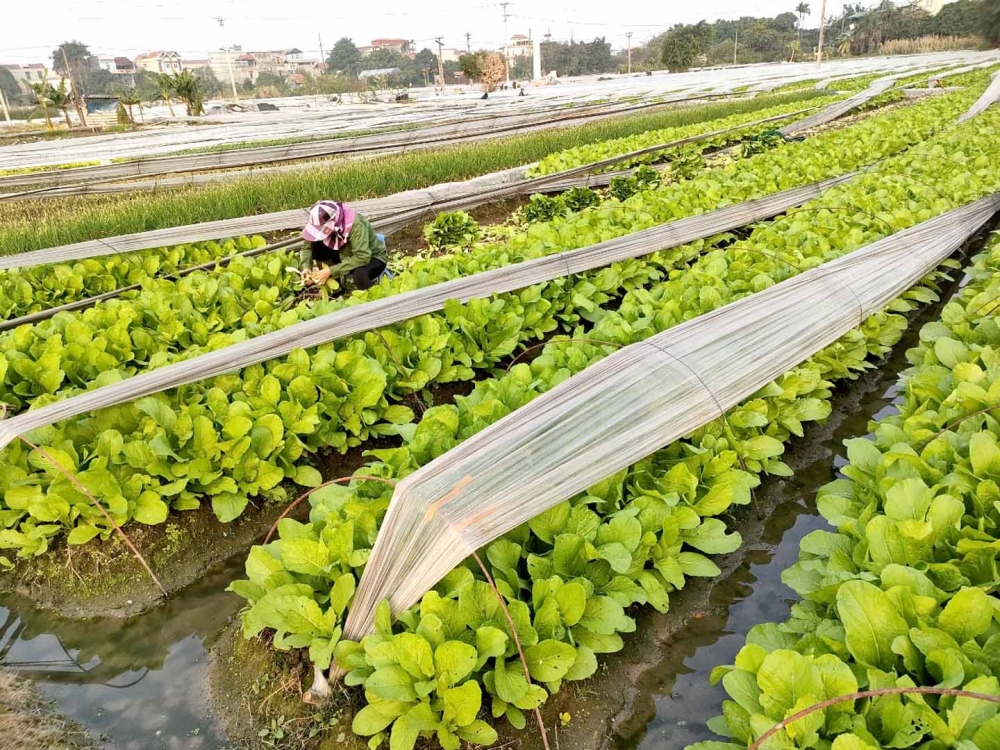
368 316
391 142
387 214
840 108
630 404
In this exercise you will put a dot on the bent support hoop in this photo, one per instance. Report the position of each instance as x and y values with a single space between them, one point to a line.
372 315
388 214
643 397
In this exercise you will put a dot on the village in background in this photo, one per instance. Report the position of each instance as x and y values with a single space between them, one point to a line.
111 84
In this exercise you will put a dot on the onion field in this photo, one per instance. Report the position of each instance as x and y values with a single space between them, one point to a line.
225 527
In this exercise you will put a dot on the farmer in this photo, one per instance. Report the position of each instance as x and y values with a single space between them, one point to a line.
342 242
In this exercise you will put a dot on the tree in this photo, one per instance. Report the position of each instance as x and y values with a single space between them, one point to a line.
99 81
9 85
62 100
72 59
41 93
683 44
991 23
345 57
129 99
426 62
961 18
803 10
494 70
188 90
166 90
471 66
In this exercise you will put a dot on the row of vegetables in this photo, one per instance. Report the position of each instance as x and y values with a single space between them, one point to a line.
593 152
904 592
36 288
569 575
238 436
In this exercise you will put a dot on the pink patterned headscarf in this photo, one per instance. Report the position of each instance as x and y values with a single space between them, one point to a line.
330 223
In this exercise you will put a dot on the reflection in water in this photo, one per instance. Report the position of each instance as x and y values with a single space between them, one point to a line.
135 683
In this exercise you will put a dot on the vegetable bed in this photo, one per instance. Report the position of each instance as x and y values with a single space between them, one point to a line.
569 575
240 435
904 593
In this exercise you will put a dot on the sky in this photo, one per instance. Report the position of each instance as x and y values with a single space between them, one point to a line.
29 31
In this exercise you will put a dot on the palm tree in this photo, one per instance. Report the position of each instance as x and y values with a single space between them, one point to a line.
844 45
62 100
165 83
41 92
188 89
129 99
803 10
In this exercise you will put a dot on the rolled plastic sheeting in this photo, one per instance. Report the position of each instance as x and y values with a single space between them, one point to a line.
989 97
631 404
368 316
841 108
388 214
432 136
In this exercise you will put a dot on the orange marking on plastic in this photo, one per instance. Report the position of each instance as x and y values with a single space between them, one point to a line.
445 498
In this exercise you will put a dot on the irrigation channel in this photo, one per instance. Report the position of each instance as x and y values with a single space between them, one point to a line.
144 682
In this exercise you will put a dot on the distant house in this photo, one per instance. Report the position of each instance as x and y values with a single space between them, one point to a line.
25 75
121 67
931 6
400 46
194 64
519 46
242 64
159 61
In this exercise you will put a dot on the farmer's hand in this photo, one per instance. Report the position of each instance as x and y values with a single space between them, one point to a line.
321 276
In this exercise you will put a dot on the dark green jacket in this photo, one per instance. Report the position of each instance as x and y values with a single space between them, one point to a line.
362 246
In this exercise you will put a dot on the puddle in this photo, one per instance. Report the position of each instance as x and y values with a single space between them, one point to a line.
132 683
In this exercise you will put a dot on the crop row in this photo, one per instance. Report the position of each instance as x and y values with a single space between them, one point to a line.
239 435
589 153
569 574
73 220
37 288
169 320
904 593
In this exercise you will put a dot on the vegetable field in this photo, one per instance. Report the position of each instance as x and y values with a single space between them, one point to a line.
296 461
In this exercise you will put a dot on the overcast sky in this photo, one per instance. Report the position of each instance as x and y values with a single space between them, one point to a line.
30 30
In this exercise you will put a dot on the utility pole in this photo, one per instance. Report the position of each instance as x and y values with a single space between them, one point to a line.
506 41
468 42
440 43
322 54
628 35
72 89
822 23
229 61
736 43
